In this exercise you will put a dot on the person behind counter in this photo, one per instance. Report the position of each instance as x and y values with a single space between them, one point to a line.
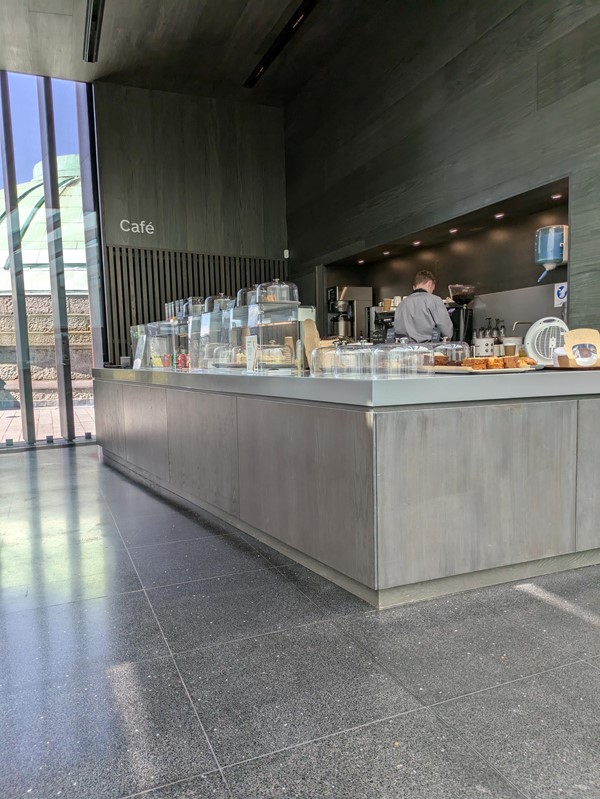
422 316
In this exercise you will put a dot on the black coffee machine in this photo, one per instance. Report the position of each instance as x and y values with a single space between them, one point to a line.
380 325
461 311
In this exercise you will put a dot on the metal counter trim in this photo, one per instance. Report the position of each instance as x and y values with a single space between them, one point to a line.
438 390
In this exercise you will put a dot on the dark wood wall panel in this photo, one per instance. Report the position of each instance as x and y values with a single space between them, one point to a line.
138 283
495 262
209 174
431 110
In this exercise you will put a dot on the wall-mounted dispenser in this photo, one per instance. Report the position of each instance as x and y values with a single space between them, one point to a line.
551 247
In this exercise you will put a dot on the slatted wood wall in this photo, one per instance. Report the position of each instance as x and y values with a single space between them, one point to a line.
138 283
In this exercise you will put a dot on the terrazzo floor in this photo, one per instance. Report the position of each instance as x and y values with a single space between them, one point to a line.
146 651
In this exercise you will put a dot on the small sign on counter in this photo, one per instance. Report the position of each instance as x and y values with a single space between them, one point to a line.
251 347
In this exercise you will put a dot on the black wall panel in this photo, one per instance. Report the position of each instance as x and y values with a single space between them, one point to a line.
209 174
138 283
431 110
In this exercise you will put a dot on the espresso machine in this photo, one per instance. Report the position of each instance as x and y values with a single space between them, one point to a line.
347 311
381 325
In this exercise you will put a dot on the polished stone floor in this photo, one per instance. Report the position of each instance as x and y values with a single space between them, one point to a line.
147 651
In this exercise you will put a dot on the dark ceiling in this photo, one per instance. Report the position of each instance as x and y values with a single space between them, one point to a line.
206 47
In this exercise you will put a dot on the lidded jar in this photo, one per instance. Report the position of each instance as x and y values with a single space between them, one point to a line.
404 359
353 360
226 356
277 291
451 353
322 361
219 302
247 296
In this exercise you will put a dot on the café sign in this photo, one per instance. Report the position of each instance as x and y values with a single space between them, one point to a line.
136 227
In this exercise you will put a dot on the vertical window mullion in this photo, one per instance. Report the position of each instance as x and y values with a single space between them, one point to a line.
91 222
55 259
16 263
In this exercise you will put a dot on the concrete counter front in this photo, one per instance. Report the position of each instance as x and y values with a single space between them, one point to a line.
396 490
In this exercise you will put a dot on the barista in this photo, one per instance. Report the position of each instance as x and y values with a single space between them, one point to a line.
422 316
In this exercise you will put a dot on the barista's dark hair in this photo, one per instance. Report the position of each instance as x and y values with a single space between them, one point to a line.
423 277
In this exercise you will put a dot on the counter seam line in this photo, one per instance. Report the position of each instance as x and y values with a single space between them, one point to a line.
375 502
237 441
182 681
576 503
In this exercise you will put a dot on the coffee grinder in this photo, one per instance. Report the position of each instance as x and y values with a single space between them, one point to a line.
461 313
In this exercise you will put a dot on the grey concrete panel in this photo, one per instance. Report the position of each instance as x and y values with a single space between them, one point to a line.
110 420
145 414
588 484
306 478
203 451
464 489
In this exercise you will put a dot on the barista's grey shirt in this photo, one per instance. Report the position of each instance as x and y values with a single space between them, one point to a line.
419 314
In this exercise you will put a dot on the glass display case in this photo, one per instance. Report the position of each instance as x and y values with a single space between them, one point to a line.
451 353
368 362
403 360
265 336
260 338
220 302
277 291
205 332
247 296
135 333
343 360
158 345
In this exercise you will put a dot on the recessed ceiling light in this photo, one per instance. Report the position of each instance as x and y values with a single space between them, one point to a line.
500 215
556 196
416 243
386 252
361 261
453 230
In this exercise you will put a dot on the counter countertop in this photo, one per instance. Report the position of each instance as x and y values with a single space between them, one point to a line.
440 389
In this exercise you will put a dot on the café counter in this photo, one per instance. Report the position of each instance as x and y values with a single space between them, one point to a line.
394 489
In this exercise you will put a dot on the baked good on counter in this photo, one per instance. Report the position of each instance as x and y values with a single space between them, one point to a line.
475 363
523 362
440 359
504 362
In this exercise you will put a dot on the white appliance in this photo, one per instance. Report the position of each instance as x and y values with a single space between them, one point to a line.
543 337
483 347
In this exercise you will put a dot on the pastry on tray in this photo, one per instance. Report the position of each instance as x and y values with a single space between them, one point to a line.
525 362
440 360
495 363
475 363
510 361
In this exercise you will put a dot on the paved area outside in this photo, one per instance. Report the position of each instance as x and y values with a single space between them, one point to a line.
147 651
47 423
